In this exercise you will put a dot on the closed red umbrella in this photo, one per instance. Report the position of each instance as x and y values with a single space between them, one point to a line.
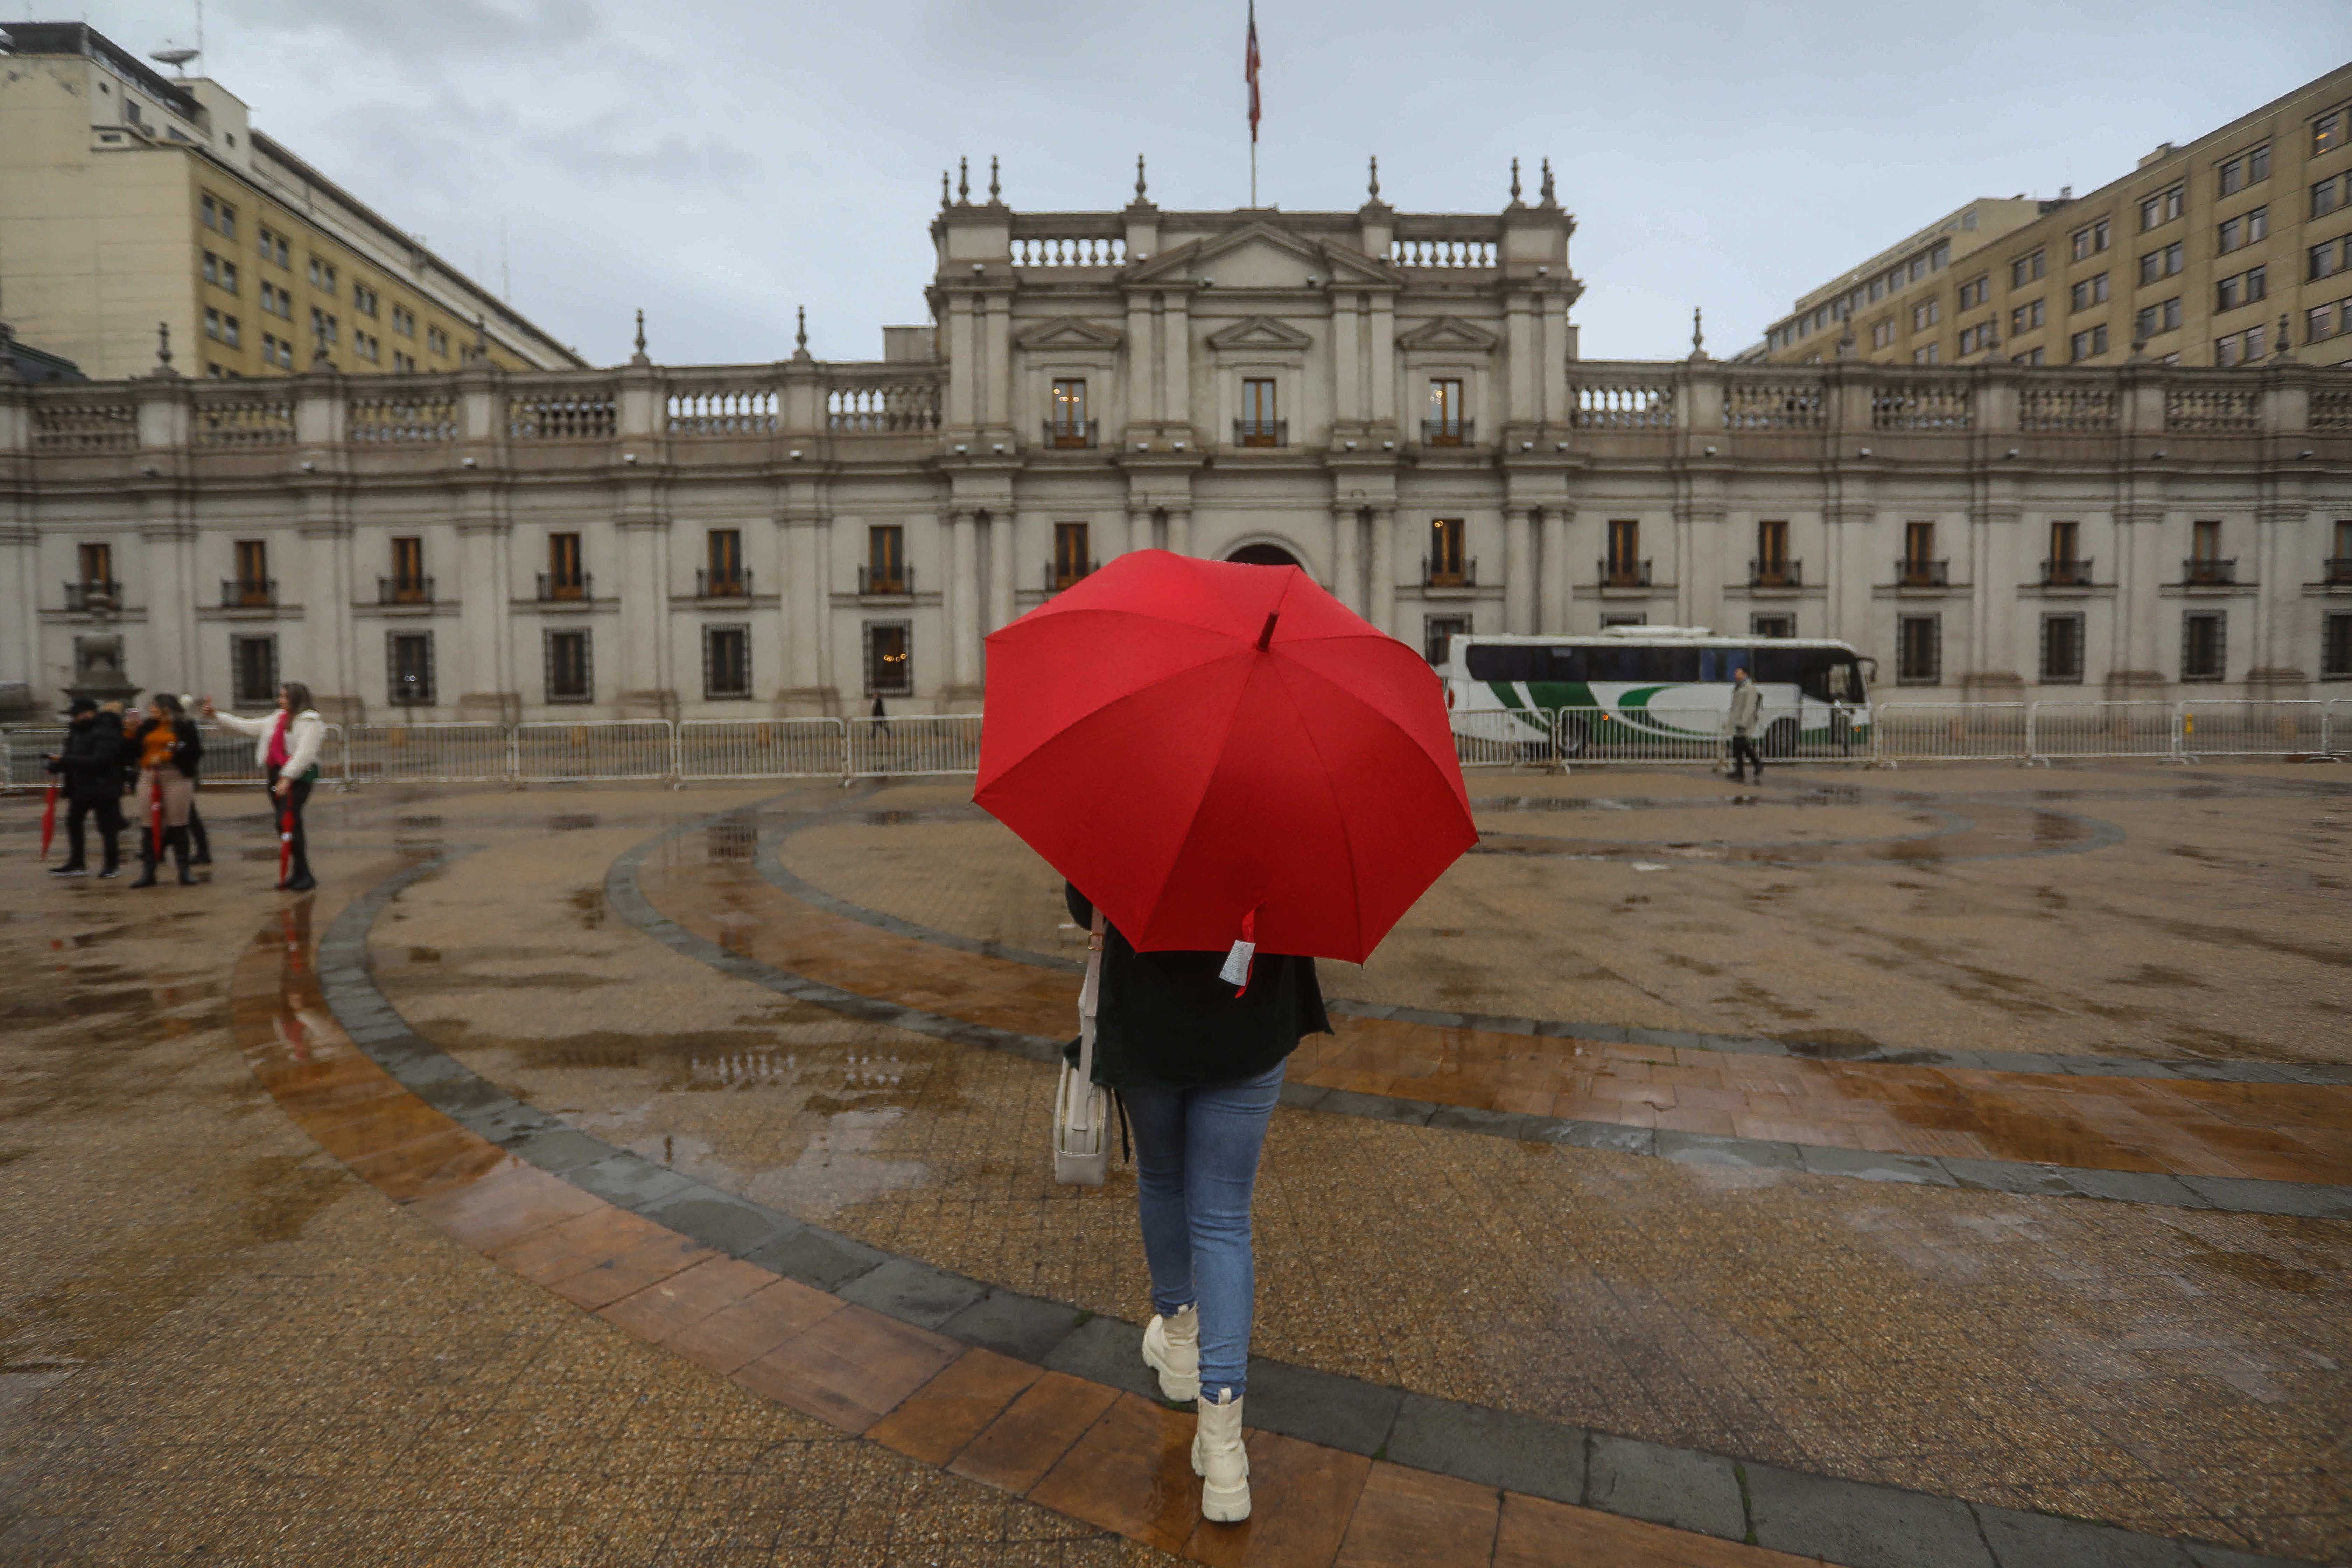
1196 742
48 820
285 838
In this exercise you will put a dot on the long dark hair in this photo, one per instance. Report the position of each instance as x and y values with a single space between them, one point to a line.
169 704
298 696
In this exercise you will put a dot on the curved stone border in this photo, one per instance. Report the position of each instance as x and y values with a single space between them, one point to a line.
1850 1522
772 867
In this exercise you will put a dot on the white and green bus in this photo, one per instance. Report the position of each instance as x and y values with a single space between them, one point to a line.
1653 691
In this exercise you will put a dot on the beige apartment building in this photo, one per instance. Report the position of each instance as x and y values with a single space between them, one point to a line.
2221 252
129 199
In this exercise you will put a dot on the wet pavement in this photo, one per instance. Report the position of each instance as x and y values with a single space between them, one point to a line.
2174 1370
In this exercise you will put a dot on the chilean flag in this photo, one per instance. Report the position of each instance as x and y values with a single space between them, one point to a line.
1249 70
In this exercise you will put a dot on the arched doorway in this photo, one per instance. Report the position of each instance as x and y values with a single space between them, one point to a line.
1263 555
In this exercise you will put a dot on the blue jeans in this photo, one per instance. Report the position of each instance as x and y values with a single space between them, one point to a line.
1196 1167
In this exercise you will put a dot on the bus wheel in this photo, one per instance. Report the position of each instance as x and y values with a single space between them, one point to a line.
1780 738
1569 736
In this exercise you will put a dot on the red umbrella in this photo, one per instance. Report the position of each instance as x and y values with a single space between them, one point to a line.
48 820
285 838
1196 742
155 822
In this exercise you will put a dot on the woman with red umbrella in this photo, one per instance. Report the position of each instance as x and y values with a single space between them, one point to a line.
291 740
1219 758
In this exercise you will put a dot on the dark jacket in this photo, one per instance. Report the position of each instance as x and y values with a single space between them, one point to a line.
187 746
1165 1020
91 766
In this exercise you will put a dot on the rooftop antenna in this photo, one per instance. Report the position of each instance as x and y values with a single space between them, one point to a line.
176 58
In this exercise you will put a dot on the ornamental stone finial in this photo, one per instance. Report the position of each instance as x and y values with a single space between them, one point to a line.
996 193
1376 176
800 338
164 349
943 190
964 182
1546 190
1698 333
1515 182
2285 341
639 357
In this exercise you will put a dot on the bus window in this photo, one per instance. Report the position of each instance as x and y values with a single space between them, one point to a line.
1718 663
1564 664
1489 661
1845 680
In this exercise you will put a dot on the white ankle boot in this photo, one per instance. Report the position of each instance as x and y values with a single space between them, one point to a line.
1171 1347
1221 1461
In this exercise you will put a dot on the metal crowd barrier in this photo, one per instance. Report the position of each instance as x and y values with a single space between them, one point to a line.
2256 728
889 748
1951 731
427 753
2070 729
762 749
551 750
1493 738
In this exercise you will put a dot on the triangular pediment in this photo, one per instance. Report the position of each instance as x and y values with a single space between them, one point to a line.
1259 332
1262 256
1450 333
1068 332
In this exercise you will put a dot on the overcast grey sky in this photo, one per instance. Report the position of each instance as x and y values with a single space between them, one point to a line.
720 161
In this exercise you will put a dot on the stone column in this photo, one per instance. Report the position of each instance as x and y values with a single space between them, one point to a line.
1382 361
643 593
1000 570
963 605
1347 571
1180 528
1554 583
1518 568
805 604
1383 593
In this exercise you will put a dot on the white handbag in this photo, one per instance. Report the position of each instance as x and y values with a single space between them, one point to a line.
1081 1110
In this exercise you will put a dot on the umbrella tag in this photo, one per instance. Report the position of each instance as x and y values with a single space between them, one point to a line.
1237 964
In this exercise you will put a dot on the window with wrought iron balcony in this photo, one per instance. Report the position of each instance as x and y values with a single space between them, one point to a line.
1444 424
1446 567
1617 572
1073 556
1259 424
2339 571
2210 571
2071 572
564 578
1775 571
1920 572
96 594
722 581
1066 424
398 590
556 588
886 573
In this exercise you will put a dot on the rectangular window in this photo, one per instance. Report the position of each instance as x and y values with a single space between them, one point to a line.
1977 337
2089 241
726 662
1259 426
568 679
1918 546
253 586
403 321
1773 626
1926 314
363 299
1918 650
886 559
2066 568
2336 648
253 670
2061 649
1071 553
2328 131
1438 633
889 661
2162 208
2088 344
2204 645
2162 264
403 364
2030 356
1624 563
367 347
409 584
98 567
408 659
2026 269
1882 333
2205 539
1446 564
2236 233
322 327
2025 317
2237 174
2246 287
1443 425
565 578
1975 291
322 275
2090 292
2158 317
2328 259
1066 424
724 575
1932 354
437 340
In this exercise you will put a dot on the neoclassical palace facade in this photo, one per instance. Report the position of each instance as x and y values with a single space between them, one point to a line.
1393 401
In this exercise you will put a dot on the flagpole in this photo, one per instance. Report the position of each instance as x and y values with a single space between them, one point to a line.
1253 172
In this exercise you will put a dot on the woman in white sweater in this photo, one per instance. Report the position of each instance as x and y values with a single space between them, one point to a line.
290 741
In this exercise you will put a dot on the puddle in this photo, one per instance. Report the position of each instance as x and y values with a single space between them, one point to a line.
730 840
570 822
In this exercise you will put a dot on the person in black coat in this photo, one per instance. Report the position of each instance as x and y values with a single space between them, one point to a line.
169 753
89 771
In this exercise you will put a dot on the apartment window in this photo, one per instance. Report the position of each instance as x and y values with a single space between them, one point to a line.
1624 563
220 272
2162 208
276 351
565 578
2164 263
1445 425
403 321
1446 564
2326 320
324 328
1932 354
1927 314
2062 650
277 301
408 569
1776 625
2088 344
2239 348
568 679
2250 168
408 662
223 328
2243 289
2090 292
2237 232
1066 423
726 662
2026 317
1975 291
2336 648
2328 131
363 299
367 347
2030 356
723 549
1259 425
886 559
2328 259
2026 269
403 364
253 672
1438 633
1918 650
1882 333
889 661
2090 240
437 340
322 275
2160 317
1977 337
2204 645
274 248
220 217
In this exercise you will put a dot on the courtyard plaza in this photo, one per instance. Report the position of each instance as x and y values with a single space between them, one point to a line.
1943 1167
